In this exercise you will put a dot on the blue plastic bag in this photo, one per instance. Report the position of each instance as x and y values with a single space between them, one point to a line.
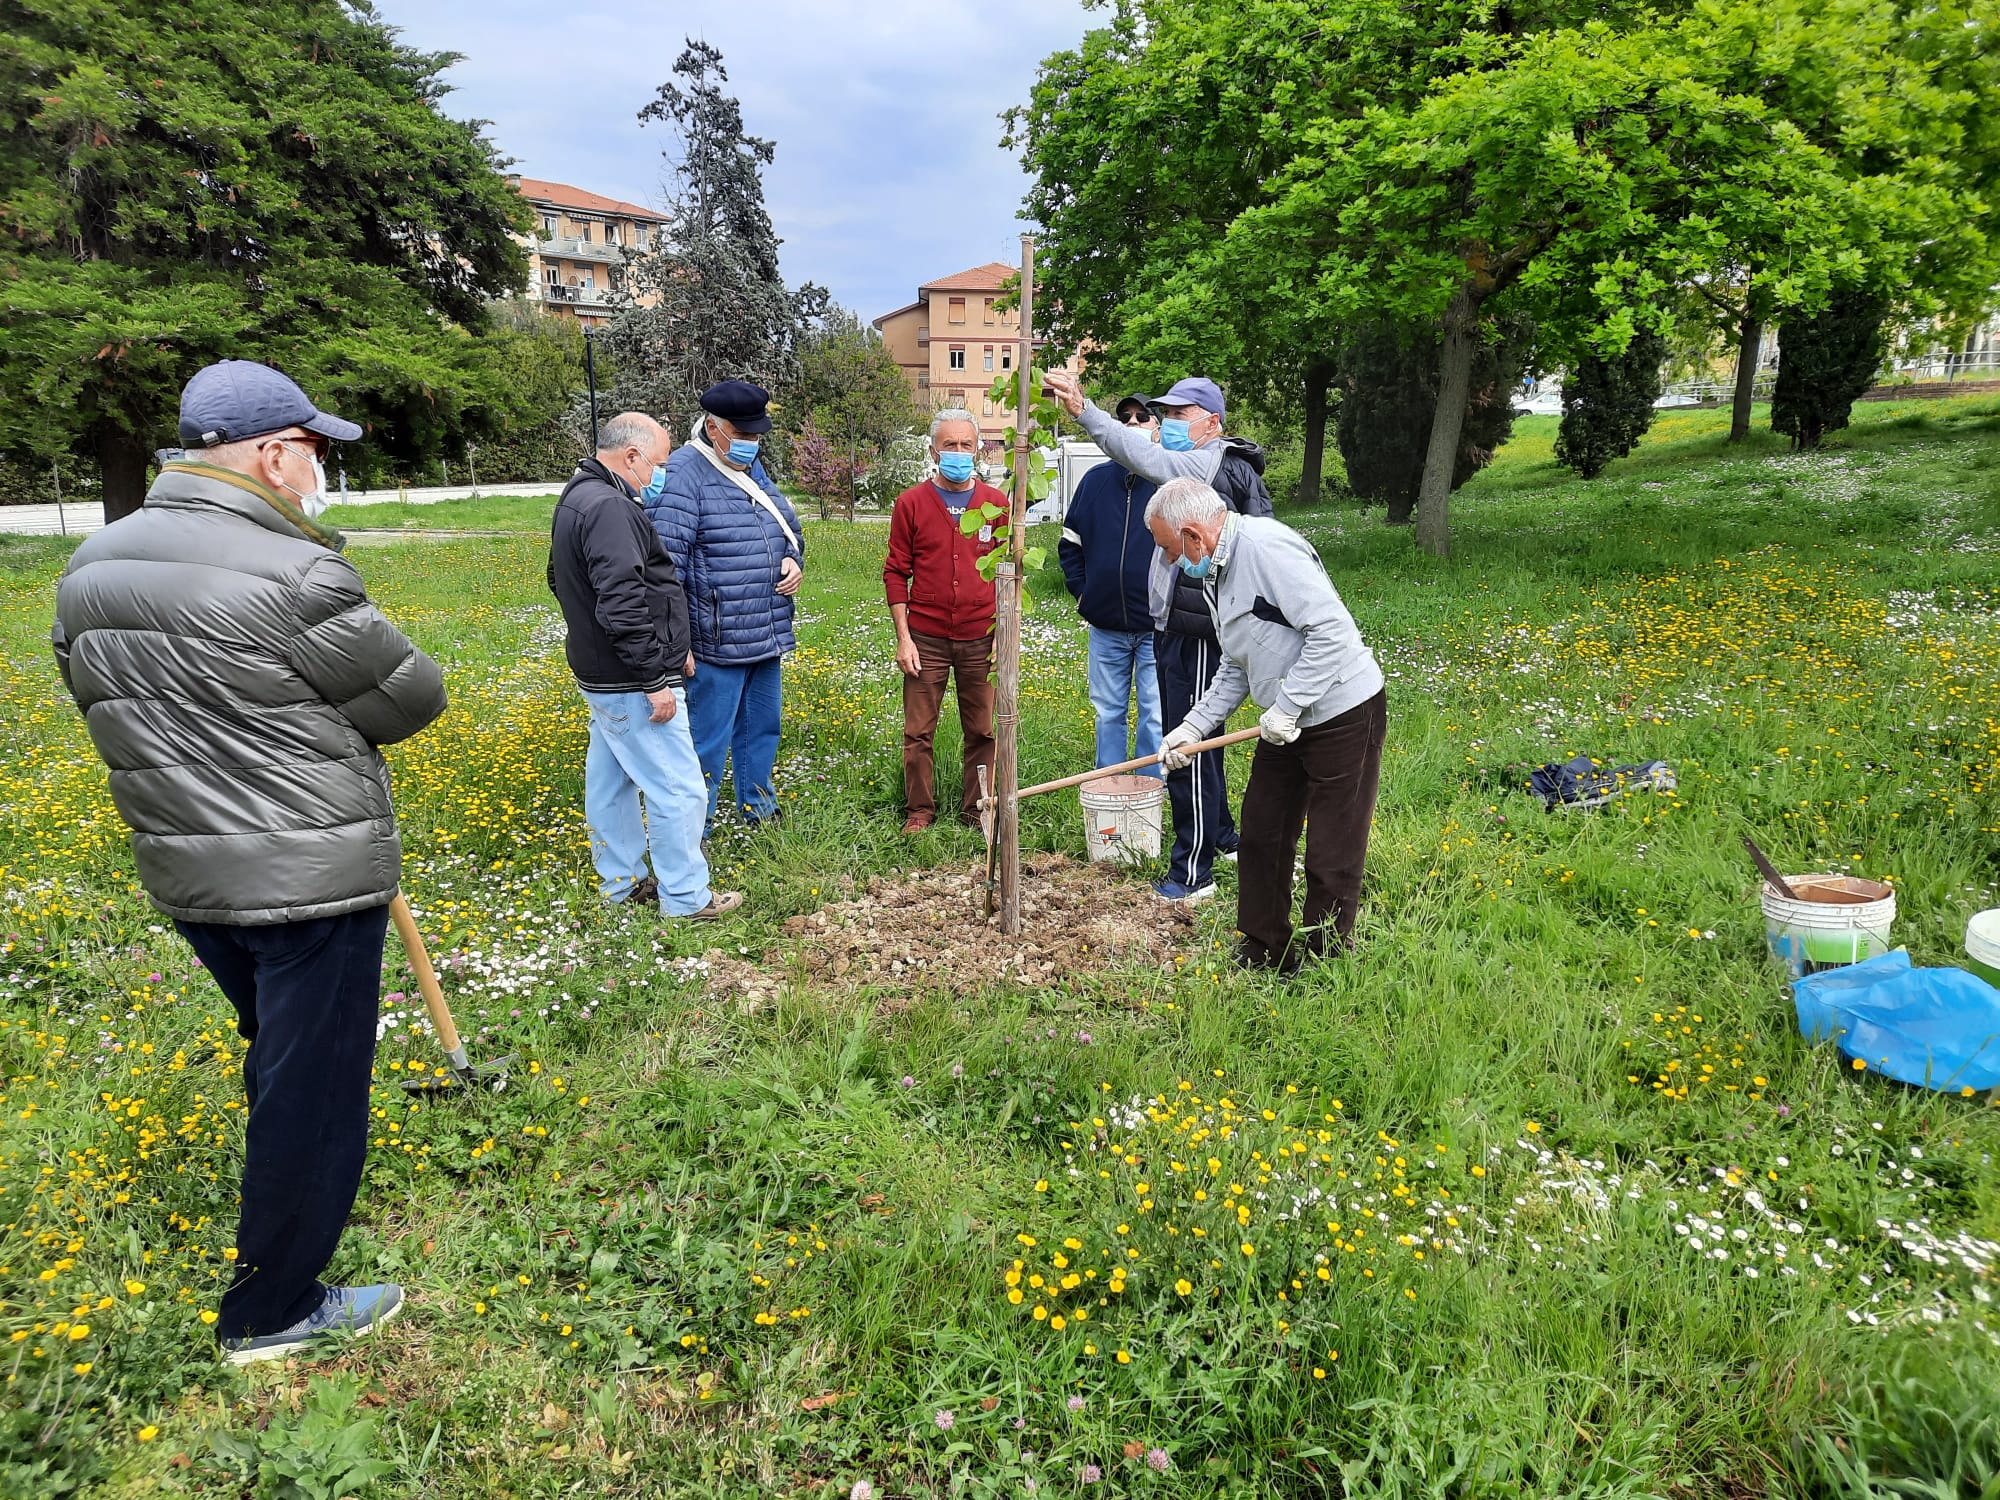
1936 1028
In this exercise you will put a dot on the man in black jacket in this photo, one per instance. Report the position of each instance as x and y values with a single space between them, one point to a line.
627 646
1106 554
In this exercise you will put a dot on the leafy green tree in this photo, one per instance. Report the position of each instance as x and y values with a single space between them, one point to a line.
855 399
1388 405
720 310
1608 404
197 181
1825 362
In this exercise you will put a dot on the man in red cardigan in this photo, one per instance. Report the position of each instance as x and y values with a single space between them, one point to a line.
943 611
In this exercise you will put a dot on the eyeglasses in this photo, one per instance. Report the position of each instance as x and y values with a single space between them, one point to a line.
1136 418
320 446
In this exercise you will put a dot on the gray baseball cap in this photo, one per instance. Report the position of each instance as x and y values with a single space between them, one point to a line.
1193 391
239 398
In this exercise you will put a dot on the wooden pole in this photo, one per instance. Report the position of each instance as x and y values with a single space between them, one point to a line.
1007 623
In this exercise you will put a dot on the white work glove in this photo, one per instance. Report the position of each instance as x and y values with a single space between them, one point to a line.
1278 727
1171 755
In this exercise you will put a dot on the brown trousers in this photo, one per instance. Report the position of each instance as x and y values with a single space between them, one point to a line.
970 665
1325 783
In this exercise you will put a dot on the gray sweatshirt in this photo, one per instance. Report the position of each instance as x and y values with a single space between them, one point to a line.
1287 640
1133 450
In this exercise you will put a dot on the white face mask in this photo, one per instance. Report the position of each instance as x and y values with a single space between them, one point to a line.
315 502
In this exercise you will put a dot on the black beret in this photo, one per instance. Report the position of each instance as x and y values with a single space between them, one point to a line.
739 403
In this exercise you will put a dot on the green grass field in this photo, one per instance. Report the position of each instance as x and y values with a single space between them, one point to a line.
1537 1193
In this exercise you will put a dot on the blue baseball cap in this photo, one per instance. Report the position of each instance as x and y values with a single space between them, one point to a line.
240 398
744 406
1193 391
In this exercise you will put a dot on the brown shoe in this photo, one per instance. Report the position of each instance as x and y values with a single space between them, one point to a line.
645 893
917 822
721 904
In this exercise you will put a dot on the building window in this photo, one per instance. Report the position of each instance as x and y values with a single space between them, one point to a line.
583 234
610 234
958 399
989 309
552 275
1007 358
548 226
957 357
986 407
955 310
989 356
638 236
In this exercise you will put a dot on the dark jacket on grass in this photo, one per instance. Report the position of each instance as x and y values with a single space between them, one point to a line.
236 680
621 599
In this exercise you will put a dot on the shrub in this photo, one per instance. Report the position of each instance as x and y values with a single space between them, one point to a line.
1608 405
1824 363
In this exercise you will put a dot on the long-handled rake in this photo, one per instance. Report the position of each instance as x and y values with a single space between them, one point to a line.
986 801
461 1076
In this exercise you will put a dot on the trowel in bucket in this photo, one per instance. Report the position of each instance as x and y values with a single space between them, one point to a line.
461 1075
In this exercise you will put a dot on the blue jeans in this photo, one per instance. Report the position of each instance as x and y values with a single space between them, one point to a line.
1199 794
631 758
306 997
1121 662
736 712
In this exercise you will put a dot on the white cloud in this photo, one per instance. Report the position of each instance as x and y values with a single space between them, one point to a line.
886 116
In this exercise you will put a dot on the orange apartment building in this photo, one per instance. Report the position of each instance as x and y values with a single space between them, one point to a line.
953 343
576 255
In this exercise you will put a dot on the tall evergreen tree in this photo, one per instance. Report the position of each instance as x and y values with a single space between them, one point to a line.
258 179
1824 363
1608 404
722 309
1389 383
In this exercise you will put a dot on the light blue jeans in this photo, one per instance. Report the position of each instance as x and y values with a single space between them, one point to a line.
1120 661
737 713
631 758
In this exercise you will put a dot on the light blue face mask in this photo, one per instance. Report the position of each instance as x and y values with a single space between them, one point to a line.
743 451
656 486
1196 569
955 468
1174 435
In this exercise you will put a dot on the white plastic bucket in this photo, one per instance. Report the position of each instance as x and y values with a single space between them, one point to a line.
1848 921
1982 946
1121 816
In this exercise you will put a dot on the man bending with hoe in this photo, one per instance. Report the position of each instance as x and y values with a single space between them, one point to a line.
1290 644
237 682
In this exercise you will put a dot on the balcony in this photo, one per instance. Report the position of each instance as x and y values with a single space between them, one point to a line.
571 248
578 296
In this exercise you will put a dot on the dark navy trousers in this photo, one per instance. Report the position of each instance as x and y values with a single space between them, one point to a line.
306 995
1199 793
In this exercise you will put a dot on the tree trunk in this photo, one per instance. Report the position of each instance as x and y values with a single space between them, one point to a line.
1749 342
1402 510
1317 378
121 461
1461 334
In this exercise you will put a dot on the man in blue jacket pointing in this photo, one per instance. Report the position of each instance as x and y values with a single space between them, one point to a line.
1106 555
740 553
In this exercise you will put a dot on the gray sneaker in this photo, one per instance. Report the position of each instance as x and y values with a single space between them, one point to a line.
356 1310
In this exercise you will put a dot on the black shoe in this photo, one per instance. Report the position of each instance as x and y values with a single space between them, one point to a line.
645 893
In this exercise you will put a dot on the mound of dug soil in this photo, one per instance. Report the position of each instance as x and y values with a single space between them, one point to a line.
923 930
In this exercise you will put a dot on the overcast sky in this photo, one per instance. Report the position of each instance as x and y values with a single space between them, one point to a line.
885 114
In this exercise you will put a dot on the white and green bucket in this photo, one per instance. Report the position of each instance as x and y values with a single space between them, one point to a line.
1834 920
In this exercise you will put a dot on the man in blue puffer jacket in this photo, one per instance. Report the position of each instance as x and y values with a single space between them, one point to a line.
740 553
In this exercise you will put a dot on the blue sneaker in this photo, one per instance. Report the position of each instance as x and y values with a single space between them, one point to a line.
1186 895
356 1310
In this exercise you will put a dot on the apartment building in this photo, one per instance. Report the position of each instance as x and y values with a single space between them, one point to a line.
577 253
954 341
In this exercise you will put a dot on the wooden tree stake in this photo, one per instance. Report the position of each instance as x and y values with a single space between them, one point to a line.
1007 624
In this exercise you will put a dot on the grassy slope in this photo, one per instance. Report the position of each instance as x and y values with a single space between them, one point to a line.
1495 1077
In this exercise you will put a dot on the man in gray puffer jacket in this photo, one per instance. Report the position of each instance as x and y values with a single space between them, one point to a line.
237 682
